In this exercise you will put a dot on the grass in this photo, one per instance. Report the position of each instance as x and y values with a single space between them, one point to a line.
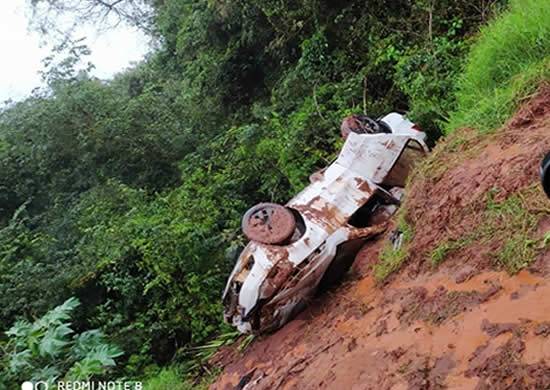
390 259
513 222
171 379
196 358
441 252
507 63
185 376
245 343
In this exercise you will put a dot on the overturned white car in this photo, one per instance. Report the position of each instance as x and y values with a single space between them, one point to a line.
313 239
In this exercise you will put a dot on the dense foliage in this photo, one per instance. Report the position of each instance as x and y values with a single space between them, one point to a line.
128 193
48 350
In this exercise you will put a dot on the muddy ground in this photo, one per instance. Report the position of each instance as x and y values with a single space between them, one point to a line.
465 324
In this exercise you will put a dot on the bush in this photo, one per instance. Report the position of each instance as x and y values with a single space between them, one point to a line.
48 349
427 74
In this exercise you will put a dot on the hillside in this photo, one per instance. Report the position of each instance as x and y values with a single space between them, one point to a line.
121 200
452 317
462 304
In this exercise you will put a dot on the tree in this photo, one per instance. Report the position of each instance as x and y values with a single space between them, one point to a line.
49 15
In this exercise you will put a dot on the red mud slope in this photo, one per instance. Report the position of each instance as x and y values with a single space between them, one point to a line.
466 324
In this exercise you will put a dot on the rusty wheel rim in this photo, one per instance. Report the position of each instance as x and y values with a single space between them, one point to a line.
268 223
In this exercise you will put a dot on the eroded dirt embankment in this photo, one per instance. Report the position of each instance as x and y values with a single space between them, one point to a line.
462 325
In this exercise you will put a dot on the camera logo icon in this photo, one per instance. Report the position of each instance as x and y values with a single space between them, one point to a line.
34 386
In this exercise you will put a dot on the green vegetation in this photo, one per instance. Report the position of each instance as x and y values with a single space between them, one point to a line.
167 379
49 350
128 193
390 258
512 223
171 379
444 249
449 246
505 65
507 62
389 261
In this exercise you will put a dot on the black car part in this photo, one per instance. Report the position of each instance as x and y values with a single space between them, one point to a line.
545 174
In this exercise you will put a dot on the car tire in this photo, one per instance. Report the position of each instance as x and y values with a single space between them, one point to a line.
362 124
268 223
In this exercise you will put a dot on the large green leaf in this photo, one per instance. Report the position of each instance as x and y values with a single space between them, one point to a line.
86 342
20 360
55 340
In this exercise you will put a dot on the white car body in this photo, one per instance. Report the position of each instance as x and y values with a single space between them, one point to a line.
271 282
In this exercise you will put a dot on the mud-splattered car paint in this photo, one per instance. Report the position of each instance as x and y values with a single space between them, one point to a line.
334 214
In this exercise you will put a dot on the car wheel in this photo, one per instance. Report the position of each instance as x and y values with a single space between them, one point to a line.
362 124
268 223
545 174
